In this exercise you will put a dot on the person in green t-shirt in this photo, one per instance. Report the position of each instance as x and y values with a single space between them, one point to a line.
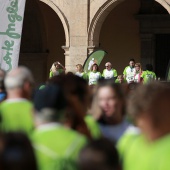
56 70
129 71
16 110
94 75
148 75
149 148
51 140
109 72
80 72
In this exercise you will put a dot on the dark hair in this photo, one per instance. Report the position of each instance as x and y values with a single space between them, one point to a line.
115 86
132 59
149 67
152 99
17 152
76 93
100 154
91 69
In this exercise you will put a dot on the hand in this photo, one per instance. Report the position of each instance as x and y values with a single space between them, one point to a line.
58 63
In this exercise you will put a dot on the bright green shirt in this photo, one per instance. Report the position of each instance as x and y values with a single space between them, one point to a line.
16 115
138 154
53 141
93 126
129 74
108 74
82 75
58 72
148 76
93 77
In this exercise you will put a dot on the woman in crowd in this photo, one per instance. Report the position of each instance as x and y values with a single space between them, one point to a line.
94 75
111 113
80 72
56 69
138 73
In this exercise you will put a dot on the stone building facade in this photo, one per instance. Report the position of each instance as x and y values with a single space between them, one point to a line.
68 30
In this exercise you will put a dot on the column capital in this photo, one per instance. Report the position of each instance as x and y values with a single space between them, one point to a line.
66 49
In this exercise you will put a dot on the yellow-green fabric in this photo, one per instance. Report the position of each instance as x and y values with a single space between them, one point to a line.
82 75
148 76
93 126
139 154
54 142
16 115
58 72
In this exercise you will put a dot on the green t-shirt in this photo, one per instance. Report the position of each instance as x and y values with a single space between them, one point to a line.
82 75
58 72
93 126
53 141
148 76
138 154
93 77
129 74
16 115
108 74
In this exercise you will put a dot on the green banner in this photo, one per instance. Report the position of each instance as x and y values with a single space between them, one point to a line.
95 57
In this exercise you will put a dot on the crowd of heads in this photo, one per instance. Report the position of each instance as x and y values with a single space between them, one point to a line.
69 124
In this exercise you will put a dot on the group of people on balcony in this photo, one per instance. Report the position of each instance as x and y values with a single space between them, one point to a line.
133 73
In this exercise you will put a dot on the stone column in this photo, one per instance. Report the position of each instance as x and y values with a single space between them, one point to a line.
78 23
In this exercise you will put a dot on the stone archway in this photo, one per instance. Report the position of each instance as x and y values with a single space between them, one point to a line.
62 18
97 21
165 4
99 18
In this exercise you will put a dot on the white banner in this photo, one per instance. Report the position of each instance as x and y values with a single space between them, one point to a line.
11 21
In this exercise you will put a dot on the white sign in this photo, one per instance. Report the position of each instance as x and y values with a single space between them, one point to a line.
11 21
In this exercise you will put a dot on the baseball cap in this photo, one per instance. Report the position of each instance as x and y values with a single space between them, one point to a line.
51 96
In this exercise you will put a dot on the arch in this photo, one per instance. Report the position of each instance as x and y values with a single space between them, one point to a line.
165 4
101 14
97 21
62 18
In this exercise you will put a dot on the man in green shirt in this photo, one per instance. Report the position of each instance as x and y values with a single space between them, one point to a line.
109 72
149 149
16 110
129 71
148 75
52 141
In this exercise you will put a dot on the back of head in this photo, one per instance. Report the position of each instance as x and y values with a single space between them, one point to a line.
99 154
149 67
152 100
17 77
132 59
49 103
17 153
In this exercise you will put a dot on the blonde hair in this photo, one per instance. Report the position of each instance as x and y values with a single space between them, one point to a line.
139 65
80 68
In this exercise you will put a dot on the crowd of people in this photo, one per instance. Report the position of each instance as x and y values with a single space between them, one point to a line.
133 73
85 121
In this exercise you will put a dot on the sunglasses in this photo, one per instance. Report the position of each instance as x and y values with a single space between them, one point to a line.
106 66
